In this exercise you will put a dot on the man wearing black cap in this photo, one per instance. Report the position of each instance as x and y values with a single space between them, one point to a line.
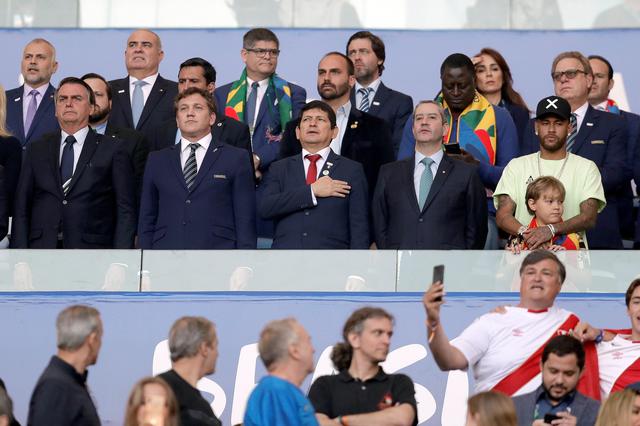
580 177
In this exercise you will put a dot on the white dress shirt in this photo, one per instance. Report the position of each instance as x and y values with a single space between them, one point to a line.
80 136
419 168
580 113
185 150
342 118
146 89
26 98
324 154
262 89
374 85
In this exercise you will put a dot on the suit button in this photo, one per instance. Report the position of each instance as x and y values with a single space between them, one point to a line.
64 202
421 220
184 223
306 213
304 234
188 201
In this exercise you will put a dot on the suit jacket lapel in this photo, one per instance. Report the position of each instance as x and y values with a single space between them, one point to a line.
15 104
351 132
88 149
210 157
45 105
121 91
332 163
176 164
409 168
157 92
54 159
379 99
588 124
443 172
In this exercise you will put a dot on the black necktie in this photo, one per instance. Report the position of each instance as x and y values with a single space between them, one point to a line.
66 163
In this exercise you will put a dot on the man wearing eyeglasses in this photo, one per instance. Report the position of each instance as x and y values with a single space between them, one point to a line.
264 101
596 135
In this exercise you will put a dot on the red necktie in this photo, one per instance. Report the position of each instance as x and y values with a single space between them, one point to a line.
312 173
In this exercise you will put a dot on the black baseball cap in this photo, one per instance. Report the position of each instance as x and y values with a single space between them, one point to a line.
553 105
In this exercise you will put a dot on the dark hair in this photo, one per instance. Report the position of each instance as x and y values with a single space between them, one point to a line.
98 77
458 60
564 345
537 256
342 352
377 45
321 106
535 189
632 287
208 70
76 80
208 97
351 69
507 90
607 63
255 35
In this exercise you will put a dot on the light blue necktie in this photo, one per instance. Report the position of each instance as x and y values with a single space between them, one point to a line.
250 106
137 103
571 139
425 181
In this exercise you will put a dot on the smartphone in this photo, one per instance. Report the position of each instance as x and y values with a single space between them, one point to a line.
548 418
438 275
452 148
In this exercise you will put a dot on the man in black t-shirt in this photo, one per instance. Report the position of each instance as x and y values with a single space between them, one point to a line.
194 351
362 393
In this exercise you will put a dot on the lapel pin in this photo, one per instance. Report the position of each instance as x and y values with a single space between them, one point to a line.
354 125
376 103
215 150
325 172
219 124
16 99
329 165
161 90
121 91
590 124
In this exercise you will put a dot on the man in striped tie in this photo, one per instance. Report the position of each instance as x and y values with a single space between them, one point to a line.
198 193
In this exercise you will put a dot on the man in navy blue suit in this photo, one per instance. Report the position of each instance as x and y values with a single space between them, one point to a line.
429 201
596 135
367 52
317 199
144 99
198 194
30 107
599 99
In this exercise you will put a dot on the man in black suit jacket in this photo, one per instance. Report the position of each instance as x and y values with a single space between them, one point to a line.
367 52
440 207
76 187
135 143
317 199
144 91
30 109
361 137
197 72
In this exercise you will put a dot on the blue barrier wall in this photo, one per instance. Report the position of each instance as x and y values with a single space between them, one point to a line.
413 57
136 326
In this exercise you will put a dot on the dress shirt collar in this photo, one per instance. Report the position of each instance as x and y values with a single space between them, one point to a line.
101 128
380 376
324 153
437 158
374 85
80 135
580 113
151 80
602 106
344 110
204 143
261 83
42 90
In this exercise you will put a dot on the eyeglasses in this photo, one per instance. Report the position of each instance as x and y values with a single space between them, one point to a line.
570 74
262 53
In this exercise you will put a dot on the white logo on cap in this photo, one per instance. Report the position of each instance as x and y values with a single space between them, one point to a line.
552 103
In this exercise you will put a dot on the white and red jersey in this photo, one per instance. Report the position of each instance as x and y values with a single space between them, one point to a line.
499 347
619 363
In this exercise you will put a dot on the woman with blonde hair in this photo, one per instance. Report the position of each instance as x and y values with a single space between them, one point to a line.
491 409
10 161
620 409
152 403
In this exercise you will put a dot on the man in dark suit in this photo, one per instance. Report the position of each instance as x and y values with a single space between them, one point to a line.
329 208
134 142
197 72
361 137
76 187
599 99
562 365
143 100
596 135
367 52
429 201
198 194
30 108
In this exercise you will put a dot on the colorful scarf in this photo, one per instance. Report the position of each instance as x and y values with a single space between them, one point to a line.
568 241
237 98
612 107
476 130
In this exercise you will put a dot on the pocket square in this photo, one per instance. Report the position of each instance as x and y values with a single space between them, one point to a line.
597 142
219 176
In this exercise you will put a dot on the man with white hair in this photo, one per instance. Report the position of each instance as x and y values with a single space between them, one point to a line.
61 396
193 346
287 353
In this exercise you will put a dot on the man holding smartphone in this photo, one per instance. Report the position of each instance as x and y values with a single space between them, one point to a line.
557 401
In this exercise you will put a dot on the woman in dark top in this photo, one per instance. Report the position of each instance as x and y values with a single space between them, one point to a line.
494 82
10 161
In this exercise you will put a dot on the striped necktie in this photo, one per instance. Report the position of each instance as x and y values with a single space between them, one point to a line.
571 139
66 163
365 103
190 169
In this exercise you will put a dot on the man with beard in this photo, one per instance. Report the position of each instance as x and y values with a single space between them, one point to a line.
581 178
361 136
562 364
362 393
135 143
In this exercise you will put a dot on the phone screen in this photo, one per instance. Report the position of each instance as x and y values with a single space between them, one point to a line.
438 275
